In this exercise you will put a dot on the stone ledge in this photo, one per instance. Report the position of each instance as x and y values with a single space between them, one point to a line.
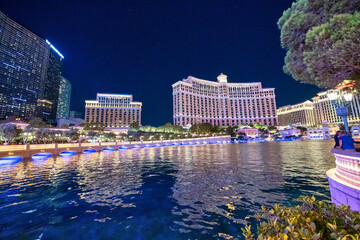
343 192
345 153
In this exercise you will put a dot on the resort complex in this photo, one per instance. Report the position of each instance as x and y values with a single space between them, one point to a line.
320 110
221 103
302 114
180 159
113 110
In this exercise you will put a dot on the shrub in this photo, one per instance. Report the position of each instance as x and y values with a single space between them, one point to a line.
312 220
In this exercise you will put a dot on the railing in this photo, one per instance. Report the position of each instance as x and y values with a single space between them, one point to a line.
7 148
10 148
68 145
90 144
347 166
42 146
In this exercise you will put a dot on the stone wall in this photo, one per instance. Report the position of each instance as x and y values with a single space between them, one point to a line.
344 180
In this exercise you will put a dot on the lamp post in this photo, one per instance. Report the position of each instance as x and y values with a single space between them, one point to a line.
341 100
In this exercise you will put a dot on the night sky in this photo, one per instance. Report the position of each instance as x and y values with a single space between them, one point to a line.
142 47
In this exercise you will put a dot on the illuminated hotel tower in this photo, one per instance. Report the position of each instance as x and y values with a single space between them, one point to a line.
325 111
302 113
113 110
221 103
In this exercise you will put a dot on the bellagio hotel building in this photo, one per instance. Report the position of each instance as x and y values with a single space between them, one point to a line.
221 103
113 110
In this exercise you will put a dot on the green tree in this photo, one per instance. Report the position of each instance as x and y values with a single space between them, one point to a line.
134 125
9 132
36 123
43 134
230 131
272 128
94 126
91 134
202 128
178 129
110 136
312 219
302 129
322 38
73 134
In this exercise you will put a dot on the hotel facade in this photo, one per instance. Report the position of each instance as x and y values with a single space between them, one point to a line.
321 108
113 110
221 103
325 111
302 114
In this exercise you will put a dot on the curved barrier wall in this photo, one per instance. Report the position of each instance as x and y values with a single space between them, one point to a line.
344 180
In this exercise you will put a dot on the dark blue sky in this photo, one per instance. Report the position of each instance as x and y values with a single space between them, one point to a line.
142 47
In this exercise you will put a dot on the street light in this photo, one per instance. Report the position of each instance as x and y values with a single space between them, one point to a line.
341 100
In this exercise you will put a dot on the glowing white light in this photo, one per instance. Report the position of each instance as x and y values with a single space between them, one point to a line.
332 95
348 97
52 46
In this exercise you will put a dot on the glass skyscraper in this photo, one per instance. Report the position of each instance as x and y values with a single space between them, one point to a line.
30 69
63 107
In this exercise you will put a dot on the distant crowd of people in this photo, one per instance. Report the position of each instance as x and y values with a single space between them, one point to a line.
344 141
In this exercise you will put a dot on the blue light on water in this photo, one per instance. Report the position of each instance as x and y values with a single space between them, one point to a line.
10 160
41 156
197 143
105 187
218 142
174 144
157 145
91 150
204 142
108 149
190 143
136 146
147 146
123 148
67 153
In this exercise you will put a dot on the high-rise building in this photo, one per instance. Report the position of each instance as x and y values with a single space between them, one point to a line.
302 113
63 107
325 111
221 103
75 114
30 69
113 110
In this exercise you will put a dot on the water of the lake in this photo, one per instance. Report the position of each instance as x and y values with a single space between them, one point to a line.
183 192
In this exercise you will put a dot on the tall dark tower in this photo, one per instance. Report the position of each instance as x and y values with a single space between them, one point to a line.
30 71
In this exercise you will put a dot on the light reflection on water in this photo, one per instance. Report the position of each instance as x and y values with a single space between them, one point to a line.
182 192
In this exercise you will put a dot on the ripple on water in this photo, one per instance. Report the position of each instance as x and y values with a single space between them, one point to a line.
180 192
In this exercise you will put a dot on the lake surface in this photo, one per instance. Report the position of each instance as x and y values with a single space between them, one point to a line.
182 192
